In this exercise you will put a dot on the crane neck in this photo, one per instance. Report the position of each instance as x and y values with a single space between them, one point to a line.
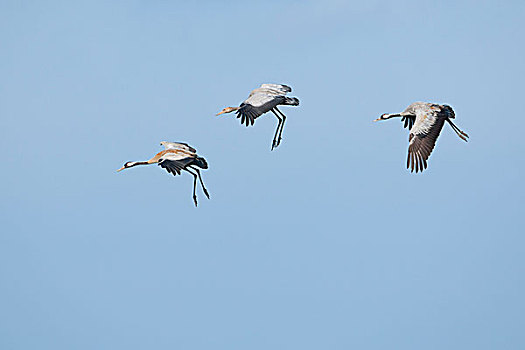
394 115
139 163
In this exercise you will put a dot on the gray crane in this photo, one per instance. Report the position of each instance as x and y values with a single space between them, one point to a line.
177 157
261 100
425 121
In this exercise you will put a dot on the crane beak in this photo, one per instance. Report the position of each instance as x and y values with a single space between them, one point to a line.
221 112
378 119
120 169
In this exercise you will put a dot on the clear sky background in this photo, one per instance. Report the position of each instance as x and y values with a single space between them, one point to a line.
327 242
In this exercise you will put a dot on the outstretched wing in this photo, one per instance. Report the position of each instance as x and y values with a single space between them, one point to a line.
178 145
422 139
176 161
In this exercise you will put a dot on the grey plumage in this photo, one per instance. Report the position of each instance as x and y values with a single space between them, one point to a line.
264 99
425 121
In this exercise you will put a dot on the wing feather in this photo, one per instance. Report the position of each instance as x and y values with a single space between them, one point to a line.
278 87
256 105
409 121
260 101
422 140
178 145
175 166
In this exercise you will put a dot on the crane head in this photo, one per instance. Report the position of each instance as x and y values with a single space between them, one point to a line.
228 110
127 165
382 117
386 116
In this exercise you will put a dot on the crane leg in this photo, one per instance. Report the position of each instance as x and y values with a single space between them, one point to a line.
461 134
276 141
194 185
282 124
202 183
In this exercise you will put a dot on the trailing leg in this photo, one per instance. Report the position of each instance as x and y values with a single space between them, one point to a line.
202 183
460 133
194 185
282 125
276 141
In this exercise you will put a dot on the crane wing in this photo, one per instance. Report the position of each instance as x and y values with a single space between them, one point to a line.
256 105
178 145
409 121
260 101
279 87
175 167
174 161
422 139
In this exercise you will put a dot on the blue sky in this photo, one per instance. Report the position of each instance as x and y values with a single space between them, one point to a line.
327 242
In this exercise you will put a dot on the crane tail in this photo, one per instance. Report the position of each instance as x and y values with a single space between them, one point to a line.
291 101
201 163
450 111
